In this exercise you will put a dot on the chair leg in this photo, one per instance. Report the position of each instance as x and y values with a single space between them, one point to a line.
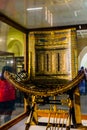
68 128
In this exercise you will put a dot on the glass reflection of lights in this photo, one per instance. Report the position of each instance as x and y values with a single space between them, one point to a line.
10 62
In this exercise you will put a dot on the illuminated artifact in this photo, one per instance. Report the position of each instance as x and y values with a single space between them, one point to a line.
40 92
52 78
52 74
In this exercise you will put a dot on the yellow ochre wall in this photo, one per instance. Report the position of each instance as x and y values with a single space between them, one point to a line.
15 41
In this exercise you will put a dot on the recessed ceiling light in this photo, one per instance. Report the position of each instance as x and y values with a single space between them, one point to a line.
37 8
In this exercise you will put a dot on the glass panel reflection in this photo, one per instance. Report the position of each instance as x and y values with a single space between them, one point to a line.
11 55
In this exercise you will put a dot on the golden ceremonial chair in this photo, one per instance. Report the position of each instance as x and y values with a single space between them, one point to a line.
59 117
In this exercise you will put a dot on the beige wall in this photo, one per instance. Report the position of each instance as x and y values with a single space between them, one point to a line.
81 48
81 43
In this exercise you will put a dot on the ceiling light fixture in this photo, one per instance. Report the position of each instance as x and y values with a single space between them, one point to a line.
37 8
76 13
80 27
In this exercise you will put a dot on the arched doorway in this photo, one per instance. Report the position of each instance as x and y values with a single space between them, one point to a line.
15 47
84 61
82 58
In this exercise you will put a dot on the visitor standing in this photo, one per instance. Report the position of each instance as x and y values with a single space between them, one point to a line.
7 95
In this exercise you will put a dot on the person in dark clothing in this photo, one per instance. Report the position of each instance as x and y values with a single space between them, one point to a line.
7 95
85 80
82 83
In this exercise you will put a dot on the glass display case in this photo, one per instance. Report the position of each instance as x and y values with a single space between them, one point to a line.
6 58
19 63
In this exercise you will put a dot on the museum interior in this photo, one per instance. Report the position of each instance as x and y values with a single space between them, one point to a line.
45 42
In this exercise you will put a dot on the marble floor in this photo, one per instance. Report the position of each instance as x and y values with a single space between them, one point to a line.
21 125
